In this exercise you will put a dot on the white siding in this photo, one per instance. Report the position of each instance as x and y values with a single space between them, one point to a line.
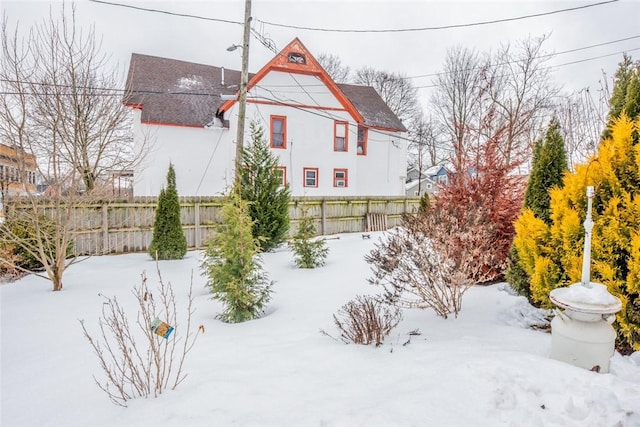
204 158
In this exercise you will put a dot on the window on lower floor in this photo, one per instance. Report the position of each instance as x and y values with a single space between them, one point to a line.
281 172
363 134
340 178
310 177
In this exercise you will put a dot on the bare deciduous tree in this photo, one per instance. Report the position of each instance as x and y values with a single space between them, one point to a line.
61 105
333 65
457 97
519 88
509 91
424 148
396 90
582 120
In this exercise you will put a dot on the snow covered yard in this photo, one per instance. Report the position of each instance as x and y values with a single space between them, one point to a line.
485 368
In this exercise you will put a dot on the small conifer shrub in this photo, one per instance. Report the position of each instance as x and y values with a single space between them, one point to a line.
232 265
309 252
169 241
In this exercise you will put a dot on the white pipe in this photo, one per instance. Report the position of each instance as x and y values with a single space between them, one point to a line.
588 227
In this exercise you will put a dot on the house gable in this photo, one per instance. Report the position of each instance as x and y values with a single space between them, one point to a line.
295 58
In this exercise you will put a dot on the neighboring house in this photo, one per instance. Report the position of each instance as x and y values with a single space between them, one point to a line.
331 139
17 171
429 181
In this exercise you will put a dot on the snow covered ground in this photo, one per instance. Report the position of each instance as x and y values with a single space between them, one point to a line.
485 368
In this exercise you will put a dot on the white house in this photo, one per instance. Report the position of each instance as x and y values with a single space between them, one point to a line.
331 139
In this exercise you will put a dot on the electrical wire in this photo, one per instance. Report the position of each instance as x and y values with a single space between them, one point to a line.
166 12
206 169
120 92
558 65
546 55
440 27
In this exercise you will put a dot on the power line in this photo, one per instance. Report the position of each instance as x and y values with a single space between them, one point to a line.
166 12
547 55
557 65
440 27
120 92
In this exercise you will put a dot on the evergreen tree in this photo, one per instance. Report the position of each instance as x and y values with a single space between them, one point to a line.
551 254
232 264
625 95
262 188
549 166
309 253
423 207
169 241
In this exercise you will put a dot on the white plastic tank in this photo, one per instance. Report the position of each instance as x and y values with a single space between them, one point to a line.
582 335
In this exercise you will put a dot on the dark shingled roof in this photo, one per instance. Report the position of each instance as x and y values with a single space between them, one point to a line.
374 110
178 92
188 94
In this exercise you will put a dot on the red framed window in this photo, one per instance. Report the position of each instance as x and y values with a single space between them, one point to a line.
310 177
341 177
363 136
340 136
278 132
281 171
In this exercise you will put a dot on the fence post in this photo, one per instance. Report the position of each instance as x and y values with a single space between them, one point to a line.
323 214
105 229
196 221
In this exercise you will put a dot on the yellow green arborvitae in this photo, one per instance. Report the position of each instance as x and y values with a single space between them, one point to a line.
552 254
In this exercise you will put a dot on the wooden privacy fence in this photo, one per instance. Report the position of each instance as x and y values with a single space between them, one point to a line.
127 226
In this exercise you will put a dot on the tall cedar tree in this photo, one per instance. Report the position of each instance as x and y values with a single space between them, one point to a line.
552 253
309 252
232 264
549 166
484 183
169 241
262 188
621 101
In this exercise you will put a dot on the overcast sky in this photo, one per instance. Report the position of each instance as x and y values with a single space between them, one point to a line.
415 53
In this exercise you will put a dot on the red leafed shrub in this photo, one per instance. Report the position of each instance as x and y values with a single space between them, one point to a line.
484 184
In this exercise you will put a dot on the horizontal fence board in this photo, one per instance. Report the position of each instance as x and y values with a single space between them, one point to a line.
112 226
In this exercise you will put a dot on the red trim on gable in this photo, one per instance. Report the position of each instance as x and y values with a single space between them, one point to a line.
311 67
135 106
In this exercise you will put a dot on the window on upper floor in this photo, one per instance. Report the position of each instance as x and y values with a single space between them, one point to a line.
340 177
340 136
363 135
310 177
278 132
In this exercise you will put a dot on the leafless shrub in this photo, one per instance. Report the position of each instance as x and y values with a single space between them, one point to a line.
366 320
431 261
140 362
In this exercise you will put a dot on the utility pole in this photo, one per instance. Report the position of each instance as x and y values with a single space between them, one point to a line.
244 78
